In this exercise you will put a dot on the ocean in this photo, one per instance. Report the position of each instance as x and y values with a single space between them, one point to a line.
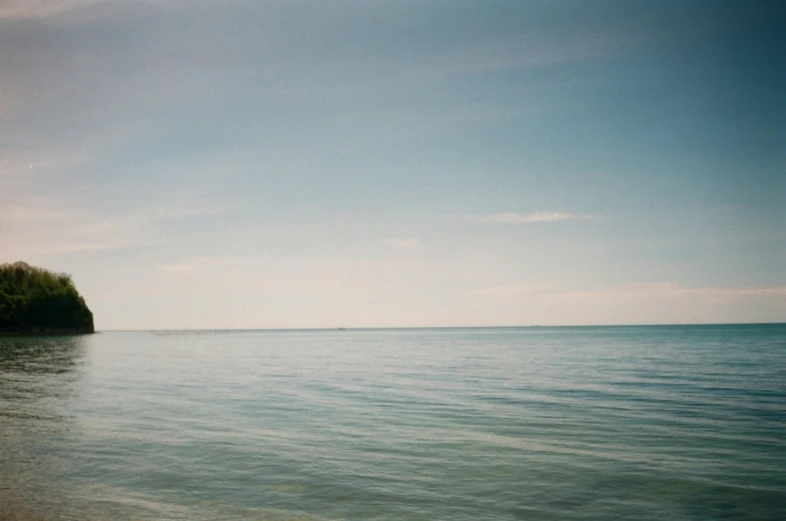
542 423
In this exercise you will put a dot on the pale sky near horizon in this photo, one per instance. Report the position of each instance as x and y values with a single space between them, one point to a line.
312 163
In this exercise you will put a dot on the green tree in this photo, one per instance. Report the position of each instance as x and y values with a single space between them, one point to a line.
34 299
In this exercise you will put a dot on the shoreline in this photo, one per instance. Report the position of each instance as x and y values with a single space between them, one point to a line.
48 332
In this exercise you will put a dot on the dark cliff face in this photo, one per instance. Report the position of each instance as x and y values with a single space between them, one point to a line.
34 300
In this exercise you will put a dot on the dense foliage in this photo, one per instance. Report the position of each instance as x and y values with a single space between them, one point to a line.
36 300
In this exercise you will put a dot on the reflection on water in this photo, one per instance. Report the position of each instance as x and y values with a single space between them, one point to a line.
36 374
49 354
38 380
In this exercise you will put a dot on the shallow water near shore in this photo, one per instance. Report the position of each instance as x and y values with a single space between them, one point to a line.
662 422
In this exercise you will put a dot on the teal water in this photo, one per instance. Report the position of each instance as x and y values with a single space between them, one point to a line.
596 423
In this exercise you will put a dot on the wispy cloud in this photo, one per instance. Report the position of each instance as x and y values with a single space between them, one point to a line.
20 9
637 303
648 290
506 291
535 217
402 243
48 226
177 268
662 290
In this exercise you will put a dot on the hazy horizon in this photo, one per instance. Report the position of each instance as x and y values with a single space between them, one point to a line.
308 164
404 328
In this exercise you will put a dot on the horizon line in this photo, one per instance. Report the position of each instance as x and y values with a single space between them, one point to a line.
373 328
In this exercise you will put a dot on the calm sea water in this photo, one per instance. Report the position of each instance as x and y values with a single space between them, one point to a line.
677 423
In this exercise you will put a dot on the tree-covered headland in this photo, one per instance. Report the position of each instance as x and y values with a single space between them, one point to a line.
35 300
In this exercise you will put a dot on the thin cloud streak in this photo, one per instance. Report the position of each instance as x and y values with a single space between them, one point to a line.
27 9
506 291
535 217
637 303
177 268
672 290
657 290
402 243
46 226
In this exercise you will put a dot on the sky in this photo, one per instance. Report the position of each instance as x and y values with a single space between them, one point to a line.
379 163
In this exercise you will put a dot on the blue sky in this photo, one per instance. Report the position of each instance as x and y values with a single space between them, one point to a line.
384 163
